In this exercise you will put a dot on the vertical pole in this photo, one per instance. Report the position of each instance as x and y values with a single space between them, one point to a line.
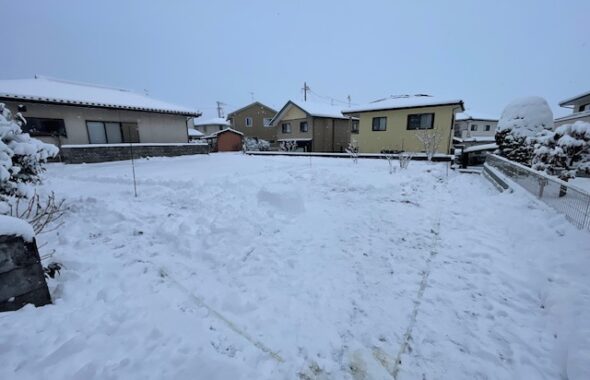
133 169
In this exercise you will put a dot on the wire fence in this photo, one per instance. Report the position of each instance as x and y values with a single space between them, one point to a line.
569 200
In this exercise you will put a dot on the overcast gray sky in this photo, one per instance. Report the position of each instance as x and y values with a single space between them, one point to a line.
194 53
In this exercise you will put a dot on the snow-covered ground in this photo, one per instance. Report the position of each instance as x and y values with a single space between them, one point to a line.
235 267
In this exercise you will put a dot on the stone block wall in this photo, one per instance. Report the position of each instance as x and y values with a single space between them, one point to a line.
77 154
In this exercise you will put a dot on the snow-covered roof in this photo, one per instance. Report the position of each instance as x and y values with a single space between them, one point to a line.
214 134
250 105
312 109
470 115
403 101
475 139
478 148
214 121
571 101
57 91
194 133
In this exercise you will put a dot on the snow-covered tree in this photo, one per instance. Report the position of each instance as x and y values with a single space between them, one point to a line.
520 122
565 151
431 140
353 150
255 144
288 146
21 157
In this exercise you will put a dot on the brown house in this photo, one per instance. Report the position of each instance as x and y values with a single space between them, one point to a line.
314 127
253 120
227 140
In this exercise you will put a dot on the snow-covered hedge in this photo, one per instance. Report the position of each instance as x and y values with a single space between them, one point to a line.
565 151
255 144
21 157
521 121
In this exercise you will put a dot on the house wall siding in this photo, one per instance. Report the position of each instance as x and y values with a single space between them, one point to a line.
397 137
463 128
258 113
295 132
152 127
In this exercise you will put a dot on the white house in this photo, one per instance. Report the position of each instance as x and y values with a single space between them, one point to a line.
580 106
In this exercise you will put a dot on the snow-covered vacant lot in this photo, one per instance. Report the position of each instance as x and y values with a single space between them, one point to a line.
235 267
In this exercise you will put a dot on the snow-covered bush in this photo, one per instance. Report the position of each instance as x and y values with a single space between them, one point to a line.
288 146
565 151
520 122
21 157
404 159
255 144
431 140
353 150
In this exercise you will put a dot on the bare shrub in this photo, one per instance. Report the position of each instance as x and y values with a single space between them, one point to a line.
39 212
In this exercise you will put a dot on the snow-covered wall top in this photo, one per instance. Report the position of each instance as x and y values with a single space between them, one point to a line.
526 116
470 115
403 101
14 226
72 93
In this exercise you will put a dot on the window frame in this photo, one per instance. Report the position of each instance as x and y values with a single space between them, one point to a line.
249 121
421 115
473 127
286 130
353 130
60 132
488 128
384 124
302 124
266 122
104 123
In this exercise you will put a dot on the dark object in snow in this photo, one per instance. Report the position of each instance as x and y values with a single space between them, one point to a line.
52 269
21 274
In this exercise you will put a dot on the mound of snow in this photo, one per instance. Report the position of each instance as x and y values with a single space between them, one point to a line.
526 116
14 226
282 198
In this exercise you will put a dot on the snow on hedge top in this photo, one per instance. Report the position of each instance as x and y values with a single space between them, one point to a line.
470 115
10 225
72 93
526 116
403 101
214 121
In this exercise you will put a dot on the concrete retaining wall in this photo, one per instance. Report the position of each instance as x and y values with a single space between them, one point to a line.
22 280
77 154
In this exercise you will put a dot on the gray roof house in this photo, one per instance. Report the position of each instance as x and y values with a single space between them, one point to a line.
580 105
93 123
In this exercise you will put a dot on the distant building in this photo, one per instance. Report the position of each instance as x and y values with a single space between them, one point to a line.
226 140
194 135
254 120
209 126
468 124
580 106
313 127
392 124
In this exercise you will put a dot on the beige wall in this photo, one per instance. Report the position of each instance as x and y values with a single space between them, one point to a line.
397 135
153 127
258 113
295 132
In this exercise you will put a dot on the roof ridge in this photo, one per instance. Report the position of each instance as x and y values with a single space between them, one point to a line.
87 84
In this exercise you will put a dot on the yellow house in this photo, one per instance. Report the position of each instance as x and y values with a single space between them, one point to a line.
400 123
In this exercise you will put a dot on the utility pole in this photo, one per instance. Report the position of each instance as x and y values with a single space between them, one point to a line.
251 95
349 100
305 89
220 109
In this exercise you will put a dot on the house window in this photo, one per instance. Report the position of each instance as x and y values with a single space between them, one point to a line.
248 121
379 123
488 128
38 126
355 127
286 127
585 107
473 127
421 121
303 127
267 121
100 132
